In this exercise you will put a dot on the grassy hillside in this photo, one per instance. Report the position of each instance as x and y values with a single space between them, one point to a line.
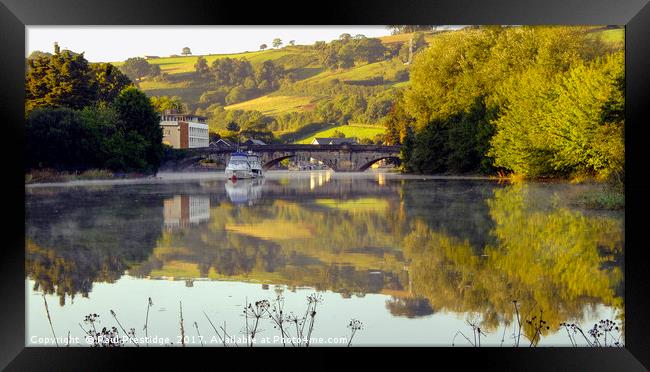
274 105
351 130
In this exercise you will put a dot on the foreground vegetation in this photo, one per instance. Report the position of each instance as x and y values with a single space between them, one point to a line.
295 330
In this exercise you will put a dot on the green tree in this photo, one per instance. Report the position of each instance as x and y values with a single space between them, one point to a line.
370 50
137 68
270 73
201 66
405 29
233 127
345 56
186 51
137 115
162 103
263 46
60 80
277 42
108 81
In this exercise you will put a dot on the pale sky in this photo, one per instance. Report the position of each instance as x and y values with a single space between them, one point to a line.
117 43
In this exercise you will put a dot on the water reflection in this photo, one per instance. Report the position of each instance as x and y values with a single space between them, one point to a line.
244 191
432 246
183 211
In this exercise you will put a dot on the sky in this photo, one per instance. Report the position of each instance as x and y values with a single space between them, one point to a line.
117 43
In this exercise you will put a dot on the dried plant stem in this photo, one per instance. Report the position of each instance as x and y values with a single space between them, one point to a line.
215 329
351 337
47 311
124 330
182 328
199 333
246 316
146 322
226 333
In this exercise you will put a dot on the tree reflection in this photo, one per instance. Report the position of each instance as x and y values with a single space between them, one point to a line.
85 236
555 260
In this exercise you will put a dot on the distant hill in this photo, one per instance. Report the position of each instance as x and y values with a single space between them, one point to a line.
316 97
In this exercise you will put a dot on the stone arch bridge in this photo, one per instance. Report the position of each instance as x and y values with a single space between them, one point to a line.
340 158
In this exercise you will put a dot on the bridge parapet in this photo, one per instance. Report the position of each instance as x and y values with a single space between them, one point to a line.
343 157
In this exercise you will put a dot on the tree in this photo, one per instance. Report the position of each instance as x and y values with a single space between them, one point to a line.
137 68
345 37
405 29
162 103
329 58
263 46
269 74
37 53
319 45
230 71
233 127
108 81
60 80
292 42
137 115
366 141
201 66
370 49
345 56
277 42
186 51
237 94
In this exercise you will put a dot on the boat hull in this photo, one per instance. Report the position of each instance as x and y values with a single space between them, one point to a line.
239 174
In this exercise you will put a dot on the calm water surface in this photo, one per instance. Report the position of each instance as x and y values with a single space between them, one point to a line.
413 258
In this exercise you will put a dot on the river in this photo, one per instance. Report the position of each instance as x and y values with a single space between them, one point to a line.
416 259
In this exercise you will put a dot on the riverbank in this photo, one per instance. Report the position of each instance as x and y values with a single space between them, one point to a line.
49 176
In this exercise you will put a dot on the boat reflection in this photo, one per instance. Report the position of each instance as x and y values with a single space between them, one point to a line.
244 191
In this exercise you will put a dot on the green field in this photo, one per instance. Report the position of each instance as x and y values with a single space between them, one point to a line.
181 64
275 105
351 130
385 69
613 36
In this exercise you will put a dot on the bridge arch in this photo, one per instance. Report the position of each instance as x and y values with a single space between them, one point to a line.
371 162
271 163
332 164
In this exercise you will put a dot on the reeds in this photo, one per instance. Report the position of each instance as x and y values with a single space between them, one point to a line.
196 325
49 319
146 322
182 327
130 334
355 325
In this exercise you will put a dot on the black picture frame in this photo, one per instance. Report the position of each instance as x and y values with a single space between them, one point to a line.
634 14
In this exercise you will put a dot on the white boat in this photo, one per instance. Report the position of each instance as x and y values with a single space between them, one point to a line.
243 165
255 163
